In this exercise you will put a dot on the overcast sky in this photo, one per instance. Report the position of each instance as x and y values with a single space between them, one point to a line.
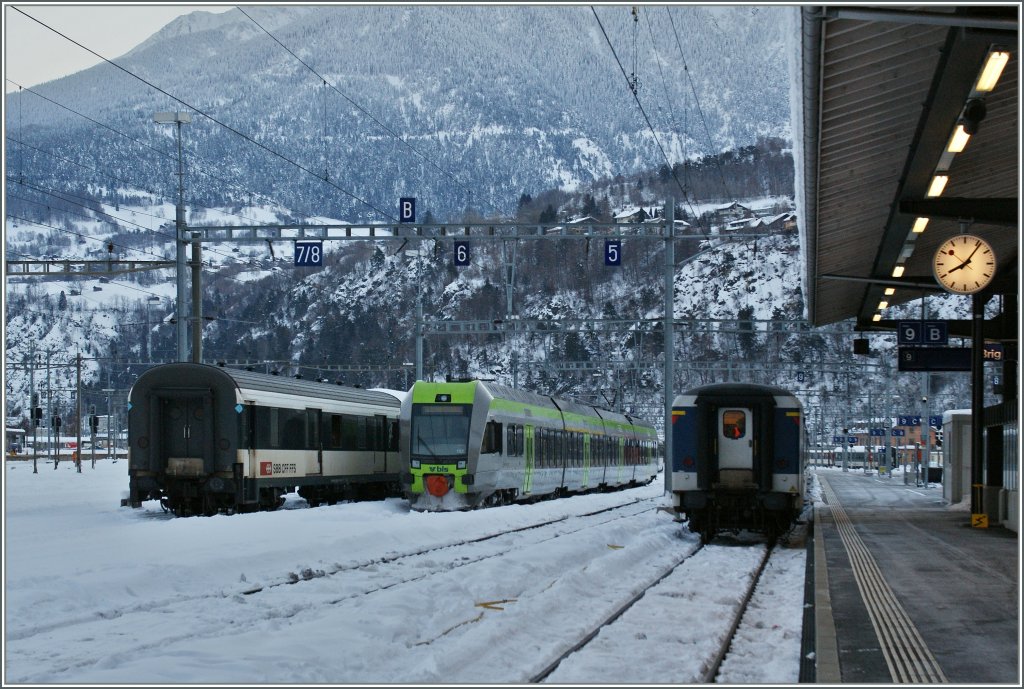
34 54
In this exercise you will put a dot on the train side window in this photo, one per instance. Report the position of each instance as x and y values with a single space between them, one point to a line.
492 438
349 430
293 429
313 429
268 434
378 435
335 441
393 441
734 424
363 431
510 440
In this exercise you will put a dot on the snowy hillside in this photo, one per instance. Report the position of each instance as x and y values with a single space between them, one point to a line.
465 107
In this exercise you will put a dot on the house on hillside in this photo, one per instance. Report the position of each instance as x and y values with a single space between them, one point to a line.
742 224
723 215
631 215
679 223
783 222
646 214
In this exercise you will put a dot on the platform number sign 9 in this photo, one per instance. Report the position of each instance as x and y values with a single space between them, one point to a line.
309 253
613 252
461 253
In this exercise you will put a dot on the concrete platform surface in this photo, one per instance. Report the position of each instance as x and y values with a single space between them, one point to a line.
907 591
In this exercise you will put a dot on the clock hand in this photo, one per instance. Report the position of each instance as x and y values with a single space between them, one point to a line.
962 263
976 247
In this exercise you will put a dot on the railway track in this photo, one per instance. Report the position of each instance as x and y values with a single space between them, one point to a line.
307 574
345 584
614 639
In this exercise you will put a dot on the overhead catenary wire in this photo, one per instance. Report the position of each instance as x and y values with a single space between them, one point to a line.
59 229
114 178
200 170
696 98
213 119
647 119
58 196
661 72
664 85
363 110
106 242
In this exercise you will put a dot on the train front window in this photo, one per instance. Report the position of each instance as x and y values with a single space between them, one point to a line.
734 424
440 430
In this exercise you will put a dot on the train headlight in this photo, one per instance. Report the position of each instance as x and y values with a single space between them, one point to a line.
461 464
415 464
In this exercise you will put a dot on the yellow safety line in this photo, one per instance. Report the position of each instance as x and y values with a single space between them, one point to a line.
906 653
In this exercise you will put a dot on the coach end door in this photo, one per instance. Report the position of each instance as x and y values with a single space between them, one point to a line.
186 432
735 446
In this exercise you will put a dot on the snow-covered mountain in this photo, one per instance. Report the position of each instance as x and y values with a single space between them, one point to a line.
495 111
460 106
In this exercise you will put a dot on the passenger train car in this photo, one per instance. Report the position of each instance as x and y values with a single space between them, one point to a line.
204 439
737 459
473 444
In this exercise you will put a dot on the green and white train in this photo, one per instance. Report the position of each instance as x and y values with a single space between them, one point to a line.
474 444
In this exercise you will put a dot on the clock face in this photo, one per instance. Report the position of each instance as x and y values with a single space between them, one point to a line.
964 264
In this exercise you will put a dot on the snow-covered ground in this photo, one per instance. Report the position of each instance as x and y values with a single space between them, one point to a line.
97 593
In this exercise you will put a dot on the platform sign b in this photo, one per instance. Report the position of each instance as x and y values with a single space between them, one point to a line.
407 209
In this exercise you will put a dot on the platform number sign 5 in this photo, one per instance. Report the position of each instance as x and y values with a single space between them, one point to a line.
309 253
461 253
613 252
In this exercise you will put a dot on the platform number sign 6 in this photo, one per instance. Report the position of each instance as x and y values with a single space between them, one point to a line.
613 252
309 253
461 253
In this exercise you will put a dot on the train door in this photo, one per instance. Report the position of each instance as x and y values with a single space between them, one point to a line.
186 433
380 443
735 445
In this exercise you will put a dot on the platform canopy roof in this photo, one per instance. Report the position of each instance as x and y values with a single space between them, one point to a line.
884 89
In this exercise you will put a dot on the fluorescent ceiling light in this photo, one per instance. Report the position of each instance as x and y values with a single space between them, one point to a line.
883 305
938 184
889 291
959 140
993 69
877 317
920 224
897 272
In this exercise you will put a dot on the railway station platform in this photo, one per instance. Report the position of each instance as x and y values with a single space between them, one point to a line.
906 591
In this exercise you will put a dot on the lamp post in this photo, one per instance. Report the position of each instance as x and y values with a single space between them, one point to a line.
179 118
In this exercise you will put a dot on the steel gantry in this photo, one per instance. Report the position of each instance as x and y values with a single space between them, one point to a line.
659 229
66 267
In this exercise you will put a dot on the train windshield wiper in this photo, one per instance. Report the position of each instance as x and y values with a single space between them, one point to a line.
423 443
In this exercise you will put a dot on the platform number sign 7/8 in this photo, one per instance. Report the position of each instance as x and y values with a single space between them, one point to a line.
462 253
613 252
309 253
